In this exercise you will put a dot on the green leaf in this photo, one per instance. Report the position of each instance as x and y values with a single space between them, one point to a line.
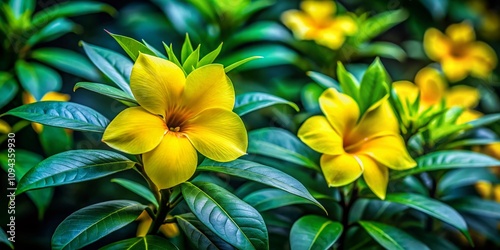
391 237
137 188
281 144
62 114
448 160
382 49
226 215
463 177
478 206
157 52
484 120
324 80
433 208
5 240
471 142
258 32
271 198
378 24
187 49
271 54
67 61
72 167
200 235
91 223
241 62
69 9
314 232
172 57
49 135
309 97
19 7
373 87
37 79
131 46
8 88
149 242
261 174
348 82
115 66
191 60
52 31
108 91
210 57
248 102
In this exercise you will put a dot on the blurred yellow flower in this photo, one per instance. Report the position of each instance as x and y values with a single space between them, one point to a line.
318 22
488 190
353 146
4 127
458 52
170 230
178 116
50 96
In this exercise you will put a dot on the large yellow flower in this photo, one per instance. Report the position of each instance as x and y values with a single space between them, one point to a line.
178 116
458 52
353 146
50 96
317 22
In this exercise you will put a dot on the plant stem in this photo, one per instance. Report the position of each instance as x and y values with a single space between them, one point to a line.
163 209
346 203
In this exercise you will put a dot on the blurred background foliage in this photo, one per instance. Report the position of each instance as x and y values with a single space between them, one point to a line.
296 70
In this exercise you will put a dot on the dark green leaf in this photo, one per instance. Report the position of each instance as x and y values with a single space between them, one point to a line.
50 134
248 102
391 237
72 167
259 31
373 87
324 80
8 88
115 66
37 79
91 223
68 9
137 188
448 160
271 198
67 61
5 239
200 235
226 215
463 177
314 232
62 114
109 91
131 46
471 142
210 57
348 82
433 208
149 242
259 173
52 31
475 205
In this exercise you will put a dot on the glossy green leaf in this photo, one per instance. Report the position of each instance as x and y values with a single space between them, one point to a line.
261 174
391 237
108 91
52 31
484 120
72 167
131 46
51 134
382 49
314 232
210 57
192 60
378 24
309 97
172 57
199 234
448 160
281 144
259 31
8 88
432 208
324 80
69 9
149 242
373 87
471 142
67 61
37 79
157 52
91 223
241 62
271 198
62 114
463 177
272 55
348 82
115 66
251 101
478 206
187 49
137 188
226 215
4 239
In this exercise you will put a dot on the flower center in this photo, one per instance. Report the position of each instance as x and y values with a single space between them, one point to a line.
176 117
176 129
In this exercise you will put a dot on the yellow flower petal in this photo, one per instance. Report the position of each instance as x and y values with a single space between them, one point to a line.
389 151
170 230
432 86
134 131
340 170
436 44
455 69
218 134
340 109
318 134
483 59
299 23
208 87
406 90
462 96
4 127
496 193
55 96
319 10
332 39
468 115
484 188
375 175
172 162
493 150
345 24
144 224
156 83
461 32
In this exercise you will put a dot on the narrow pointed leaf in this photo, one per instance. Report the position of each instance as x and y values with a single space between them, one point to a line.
172 57
52 31
271 198
324 80
192 60
69 9
131 46
199 234
241 62
210 57
37 79
20 7
478 206
91 223
314 232
348 82
72 167
149 242
373 86
187 49
137 188
391 237
248 102
108 91
157 52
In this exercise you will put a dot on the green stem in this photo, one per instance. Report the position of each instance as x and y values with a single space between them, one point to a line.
163 209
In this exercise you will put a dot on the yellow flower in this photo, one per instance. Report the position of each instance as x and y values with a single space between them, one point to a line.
353 146
458 52
50 96
488 190
4 127
317 22
170 230
178 116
